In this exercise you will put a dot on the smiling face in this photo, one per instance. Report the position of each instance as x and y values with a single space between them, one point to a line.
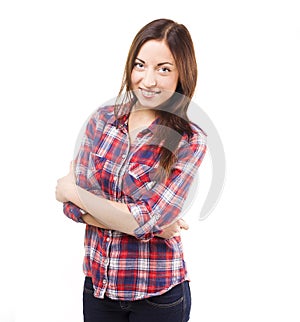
154 76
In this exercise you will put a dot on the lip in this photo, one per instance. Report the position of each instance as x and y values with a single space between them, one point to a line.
147 93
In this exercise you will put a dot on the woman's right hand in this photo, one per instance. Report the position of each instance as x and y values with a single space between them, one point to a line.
174 229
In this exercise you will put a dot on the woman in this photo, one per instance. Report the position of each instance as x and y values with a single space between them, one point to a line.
132 175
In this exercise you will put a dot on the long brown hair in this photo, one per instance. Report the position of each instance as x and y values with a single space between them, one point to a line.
173 113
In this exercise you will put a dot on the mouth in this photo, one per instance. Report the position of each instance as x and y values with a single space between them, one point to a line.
148 94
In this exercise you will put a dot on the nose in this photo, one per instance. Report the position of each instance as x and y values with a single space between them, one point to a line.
149 78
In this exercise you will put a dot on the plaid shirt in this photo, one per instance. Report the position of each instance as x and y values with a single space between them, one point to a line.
121 266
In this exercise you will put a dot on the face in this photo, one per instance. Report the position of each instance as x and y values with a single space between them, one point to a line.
154 76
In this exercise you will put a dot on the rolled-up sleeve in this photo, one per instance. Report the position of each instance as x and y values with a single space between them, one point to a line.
72 212
162 205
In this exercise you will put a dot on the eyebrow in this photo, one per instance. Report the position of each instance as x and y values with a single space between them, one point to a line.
160 64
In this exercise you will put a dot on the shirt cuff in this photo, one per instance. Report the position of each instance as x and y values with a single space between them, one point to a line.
73 212
147 223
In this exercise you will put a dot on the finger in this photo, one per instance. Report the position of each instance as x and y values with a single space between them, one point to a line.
183 224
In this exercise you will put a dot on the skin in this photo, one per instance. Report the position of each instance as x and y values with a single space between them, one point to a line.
154 76
154 79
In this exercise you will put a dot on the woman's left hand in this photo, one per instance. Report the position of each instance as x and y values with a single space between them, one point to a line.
173 229
66 186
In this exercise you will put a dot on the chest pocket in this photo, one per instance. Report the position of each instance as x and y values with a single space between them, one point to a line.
138 180
98 173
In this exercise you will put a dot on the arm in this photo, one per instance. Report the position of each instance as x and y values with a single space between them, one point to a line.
90 220
168 232
161 205
154 211
67 190
105 213
70 209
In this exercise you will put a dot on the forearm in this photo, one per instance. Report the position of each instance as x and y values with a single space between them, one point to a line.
102 212
110 214
90 220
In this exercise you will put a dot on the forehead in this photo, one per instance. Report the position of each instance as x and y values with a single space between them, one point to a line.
155 52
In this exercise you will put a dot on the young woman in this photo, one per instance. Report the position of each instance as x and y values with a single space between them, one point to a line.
130 180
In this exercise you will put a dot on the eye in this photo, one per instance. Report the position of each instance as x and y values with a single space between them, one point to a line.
138 66
164 70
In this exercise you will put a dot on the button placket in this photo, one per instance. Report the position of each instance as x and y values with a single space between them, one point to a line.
121 171
105 261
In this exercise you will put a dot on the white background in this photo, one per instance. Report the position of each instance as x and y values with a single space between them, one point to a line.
60 60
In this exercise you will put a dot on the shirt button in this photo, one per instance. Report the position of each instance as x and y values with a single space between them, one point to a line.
123 156
107 239
106 261
115 178
104 282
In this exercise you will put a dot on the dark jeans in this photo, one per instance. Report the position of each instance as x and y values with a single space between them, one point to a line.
172 306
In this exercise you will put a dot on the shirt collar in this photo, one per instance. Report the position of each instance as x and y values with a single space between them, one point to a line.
122 124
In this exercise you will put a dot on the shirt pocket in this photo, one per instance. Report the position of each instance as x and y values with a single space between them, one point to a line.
95 171
138 180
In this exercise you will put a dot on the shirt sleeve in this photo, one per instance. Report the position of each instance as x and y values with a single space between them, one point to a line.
163 204
81 161
72 212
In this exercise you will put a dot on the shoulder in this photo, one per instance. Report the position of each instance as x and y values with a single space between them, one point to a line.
198 134
192 147
99 118
197 140
104 114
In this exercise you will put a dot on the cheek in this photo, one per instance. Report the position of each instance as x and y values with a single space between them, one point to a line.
135 78
171 83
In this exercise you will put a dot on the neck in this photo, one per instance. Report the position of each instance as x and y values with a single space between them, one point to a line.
143 115
139 119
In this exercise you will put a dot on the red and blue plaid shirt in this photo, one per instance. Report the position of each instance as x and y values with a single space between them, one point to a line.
121 266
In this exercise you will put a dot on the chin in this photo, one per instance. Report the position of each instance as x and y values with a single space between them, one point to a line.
152 102
149 103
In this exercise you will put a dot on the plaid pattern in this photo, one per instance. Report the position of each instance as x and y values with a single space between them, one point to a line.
125 267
